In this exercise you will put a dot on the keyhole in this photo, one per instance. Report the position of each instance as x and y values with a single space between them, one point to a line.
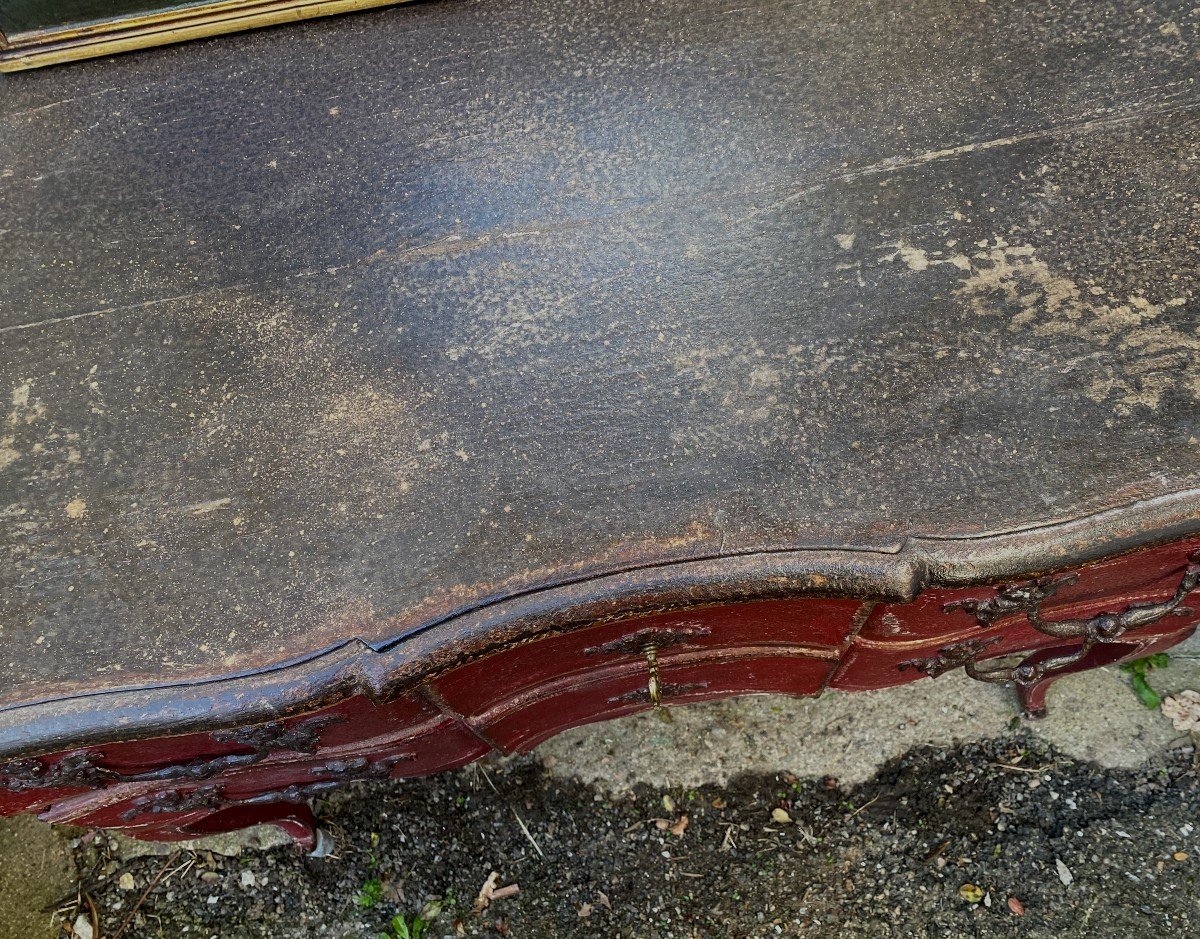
654 681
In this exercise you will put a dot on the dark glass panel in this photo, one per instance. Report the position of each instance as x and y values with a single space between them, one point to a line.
21 16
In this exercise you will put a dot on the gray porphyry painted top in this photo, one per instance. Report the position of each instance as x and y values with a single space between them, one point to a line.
328 331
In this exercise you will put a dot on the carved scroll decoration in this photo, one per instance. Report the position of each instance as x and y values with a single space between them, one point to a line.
1028 598
79 769
213 797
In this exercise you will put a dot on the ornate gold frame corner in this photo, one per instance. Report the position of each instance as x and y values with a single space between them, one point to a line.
107 37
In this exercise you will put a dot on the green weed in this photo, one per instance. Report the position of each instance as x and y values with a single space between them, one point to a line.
1138 671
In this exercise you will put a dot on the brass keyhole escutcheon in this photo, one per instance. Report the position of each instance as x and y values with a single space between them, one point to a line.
654 681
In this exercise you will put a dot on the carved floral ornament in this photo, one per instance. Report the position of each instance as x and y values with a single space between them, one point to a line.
1028 598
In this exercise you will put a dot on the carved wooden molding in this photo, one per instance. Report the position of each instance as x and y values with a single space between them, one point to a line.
80 770
173 22
334 773
637 642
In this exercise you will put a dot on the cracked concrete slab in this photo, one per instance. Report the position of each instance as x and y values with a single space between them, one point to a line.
229 844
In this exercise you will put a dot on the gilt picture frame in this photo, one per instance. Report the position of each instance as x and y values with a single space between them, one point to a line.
35 33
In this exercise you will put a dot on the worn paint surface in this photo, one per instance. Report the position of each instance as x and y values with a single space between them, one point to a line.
328 333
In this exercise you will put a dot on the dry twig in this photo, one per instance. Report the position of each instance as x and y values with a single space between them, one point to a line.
145 893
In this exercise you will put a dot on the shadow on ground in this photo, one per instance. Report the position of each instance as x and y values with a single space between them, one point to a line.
1000 838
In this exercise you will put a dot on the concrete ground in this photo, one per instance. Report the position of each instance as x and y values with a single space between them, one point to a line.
1093 717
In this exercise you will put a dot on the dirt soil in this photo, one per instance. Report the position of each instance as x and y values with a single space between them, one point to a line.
36 872
1006 837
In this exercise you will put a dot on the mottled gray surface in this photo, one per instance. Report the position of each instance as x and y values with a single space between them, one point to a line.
332 331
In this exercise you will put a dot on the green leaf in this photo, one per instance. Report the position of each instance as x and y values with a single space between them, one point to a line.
1137 672
1147 695
370 894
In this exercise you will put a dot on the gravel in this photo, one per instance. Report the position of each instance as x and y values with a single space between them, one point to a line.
1002 837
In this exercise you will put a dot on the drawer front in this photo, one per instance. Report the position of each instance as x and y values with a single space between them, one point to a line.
439 745
486 682
526 720
208 755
